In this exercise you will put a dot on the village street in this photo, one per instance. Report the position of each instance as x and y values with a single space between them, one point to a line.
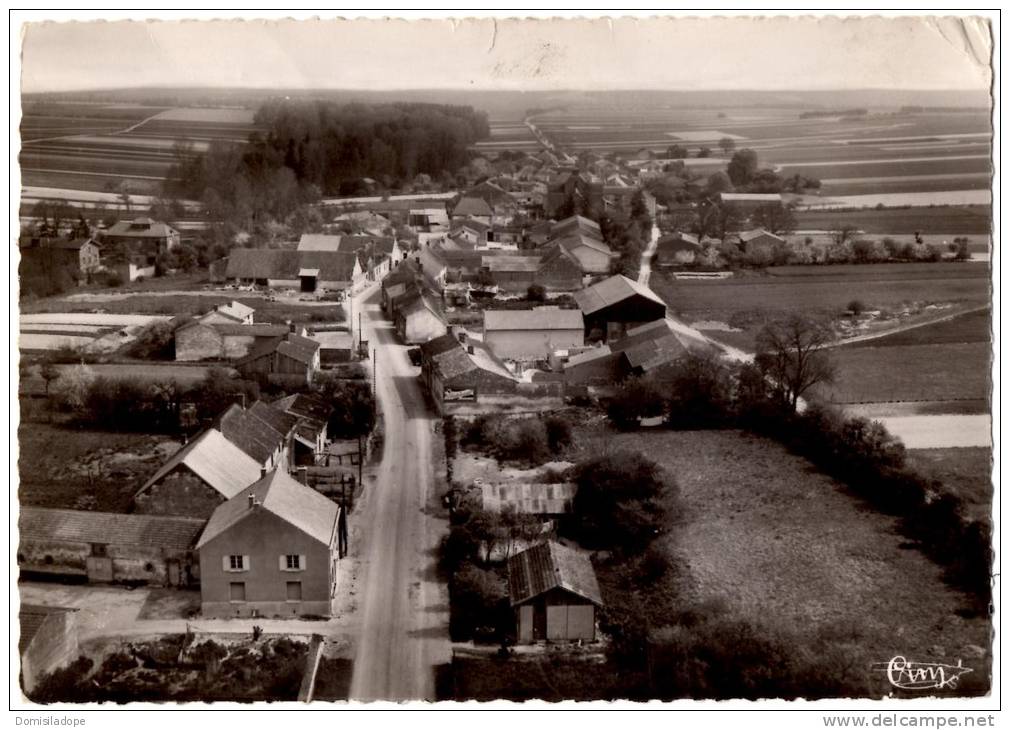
403 606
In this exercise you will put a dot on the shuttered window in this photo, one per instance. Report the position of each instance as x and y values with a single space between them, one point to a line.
235 563
291 563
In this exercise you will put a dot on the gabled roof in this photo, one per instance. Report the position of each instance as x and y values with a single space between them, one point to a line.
319 242
298 348
597 353
68 525
679 237
472 207
474 225
304 406
404 273
573 241
511 263
610 291
439 346
280 421
236 310
266 263
551 565
542 318
579 224
32 618
746 236
254 436
141 228
218 462
451 358
300 506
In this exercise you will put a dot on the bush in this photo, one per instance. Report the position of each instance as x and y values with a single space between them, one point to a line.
479 601
536 293
524 440
559 433
637 398
856 307
156 341
621 501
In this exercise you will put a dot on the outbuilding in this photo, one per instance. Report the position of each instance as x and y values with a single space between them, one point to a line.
614 305
554 593
518 334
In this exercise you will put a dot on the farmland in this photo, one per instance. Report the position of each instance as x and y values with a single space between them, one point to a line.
964 472
954 220
103 147
763 538
746 302
947 361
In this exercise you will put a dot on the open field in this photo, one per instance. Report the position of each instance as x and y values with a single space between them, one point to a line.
748 301
967 328
69 468
965 472
970 220
901 199
101 147
765 538
931 372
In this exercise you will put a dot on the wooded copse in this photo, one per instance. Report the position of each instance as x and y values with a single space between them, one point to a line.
311 148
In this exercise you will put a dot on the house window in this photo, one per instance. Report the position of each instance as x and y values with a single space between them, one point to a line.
294 590
236 592
99 550
292 562
236 563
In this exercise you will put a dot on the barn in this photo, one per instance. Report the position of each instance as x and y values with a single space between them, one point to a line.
554 593
617 304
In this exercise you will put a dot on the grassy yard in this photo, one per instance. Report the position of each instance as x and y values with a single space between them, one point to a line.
69 468
969 219
928 372
761 536
965 472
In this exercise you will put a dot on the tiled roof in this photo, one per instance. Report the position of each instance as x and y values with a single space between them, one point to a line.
511 263
304 406
319 242
32 618
235 310
611 291
472 207
542 318
218 462
298 348
254 436
266 263
439 346
81 526
551 565
746 236
577 224
298 505
280 421
140 228
571 241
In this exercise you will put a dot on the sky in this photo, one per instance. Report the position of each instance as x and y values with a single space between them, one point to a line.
534 54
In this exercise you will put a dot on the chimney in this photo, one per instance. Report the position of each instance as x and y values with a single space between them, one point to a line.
252 501
462 336
263 471
469 349
291 326
303 475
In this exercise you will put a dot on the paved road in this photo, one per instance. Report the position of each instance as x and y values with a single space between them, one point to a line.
404 607
645 266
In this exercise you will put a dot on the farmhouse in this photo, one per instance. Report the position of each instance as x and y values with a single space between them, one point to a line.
334 347
143 236
231 313
526 334
270 550
105 547
406 273
457 369
417 318
307 271
760 242
512 273
614 305
559 270
476 209
78 257
599 366
198 477
594 256
47 641
554 593
292 361
387 245
677 249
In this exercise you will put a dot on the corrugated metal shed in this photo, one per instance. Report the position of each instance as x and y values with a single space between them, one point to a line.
551 565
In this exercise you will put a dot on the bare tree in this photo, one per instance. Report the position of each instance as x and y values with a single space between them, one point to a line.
842 232
790 354
776 218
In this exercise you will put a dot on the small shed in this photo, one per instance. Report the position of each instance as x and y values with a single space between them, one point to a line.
554 593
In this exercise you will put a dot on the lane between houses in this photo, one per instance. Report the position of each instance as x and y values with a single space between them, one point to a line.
404 609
